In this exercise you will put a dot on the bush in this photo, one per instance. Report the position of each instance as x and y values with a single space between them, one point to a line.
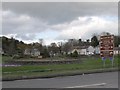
16 56
75 54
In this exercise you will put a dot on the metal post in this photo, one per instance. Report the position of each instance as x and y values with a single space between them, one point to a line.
103 59
103 63
113 61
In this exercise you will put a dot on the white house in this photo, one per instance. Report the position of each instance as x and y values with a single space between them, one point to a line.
97 50
90 50
116 50
27 52
78 50
83 51
35 52
32 52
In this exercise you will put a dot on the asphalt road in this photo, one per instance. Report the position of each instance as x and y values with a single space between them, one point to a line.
96 80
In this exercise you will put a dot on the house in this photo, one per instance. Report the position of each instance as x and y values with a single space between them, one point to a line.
97 50
75 48
32 52
27 52
90 50
72 51
83 50
87 50
116 50
35 52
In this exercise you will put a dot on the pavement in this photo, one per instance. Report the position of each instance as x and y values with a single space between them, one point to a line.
95 80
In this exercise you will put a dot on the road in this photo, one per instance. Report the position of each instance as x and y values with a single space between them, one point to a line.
96 80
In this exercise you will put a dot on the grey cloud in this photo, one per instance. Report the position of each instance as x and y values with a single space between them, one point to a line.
49 15
20 25
59 12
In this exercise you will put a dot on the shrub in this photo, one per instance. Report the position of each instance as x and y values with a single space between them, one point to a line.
75 54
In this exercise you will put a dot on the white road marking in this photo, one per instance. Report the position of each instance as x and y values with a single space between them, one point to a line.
100 84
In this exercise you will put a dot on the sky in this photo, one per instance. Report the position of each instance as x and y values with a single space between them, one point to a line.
58 21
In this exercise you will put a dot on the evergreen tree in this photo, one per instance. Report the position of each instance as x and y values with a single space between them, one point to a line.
94 41
75 54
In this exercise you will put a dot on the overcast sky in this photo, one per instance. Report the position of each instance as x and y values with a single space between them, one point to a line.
57 21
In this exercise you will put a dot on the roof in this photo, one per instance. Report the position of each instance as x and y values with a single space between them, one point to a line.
116 48
80 47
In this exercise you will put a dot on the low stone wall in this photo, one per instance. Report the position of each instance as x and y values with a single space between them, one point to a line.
38 62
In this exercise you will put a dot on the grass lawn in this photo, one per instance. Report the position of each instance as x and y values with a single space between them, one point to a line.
90 63
3 59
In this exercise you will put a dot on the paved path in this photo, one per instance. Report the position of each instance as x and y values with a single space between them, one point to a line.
97 80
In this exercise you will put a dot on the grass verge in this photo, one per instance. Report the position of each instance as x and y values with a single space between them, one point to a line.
88 65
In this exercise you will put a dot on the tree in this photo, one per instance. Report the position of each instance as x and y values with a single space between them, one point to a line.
12 46
116 41
54 48
75 54
5 44
80 42
41 41
60 46
94 41
105 33
88 41
70 41
66 47
45 53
